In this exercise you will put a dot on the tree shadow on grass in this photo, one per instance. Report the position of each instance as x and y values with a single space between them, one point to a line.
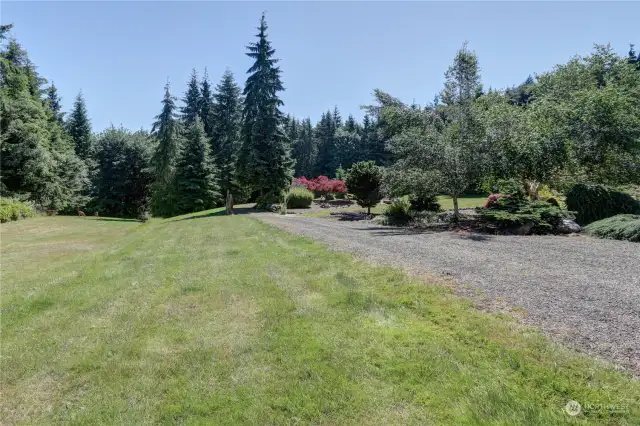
115 219
222 212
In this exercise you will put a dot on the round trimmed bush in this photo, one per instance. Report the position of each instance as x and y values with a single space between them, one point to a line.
593 202
299 198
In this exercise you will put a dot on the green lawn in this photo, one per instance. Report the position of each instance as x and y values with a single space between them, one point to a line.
210 319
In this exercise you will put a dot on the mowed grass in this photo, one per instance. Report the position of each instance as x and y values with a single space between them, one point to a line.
446 202
209 319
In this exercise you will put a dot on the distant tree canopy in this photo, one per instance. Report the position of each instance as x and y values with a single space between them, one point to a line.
577 122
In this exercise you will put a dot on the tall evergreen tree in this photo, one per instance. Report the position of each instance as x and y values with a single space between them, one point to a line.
55 103
265 160
326 160
337 118
196 175
79 128
37 159
304 149
166 131
191 109
205 110
226 119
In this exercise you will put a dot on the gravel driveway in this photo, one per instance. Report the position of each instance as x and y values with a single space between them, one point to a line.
582 290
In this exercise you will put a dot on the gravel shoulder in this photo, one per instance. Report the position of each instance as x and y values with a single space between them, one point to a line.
580 290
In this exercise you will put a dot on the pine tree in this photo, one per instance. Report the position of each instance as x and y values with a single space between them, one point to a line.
205 110
265 161
191 100
226 131
166 131
55 103
196 175
79 128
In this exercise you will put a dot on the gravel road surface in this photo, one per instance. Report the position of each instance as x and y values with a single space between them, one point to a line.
580 290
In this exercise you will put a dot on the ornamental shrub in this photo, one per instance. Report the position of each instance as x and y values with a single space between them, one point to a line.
299 198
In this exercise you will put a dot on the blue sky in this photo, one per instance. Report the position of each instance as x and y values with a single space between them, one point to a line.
332 53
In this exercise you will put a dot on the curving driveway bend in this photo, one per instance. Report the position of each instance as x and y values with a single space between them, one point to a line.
582 290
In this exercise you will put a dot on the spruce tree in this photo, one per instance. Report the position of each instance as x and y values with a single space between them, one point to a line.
226 116
205 111
79 128
55 103
196 175
166 131
265 162
191 108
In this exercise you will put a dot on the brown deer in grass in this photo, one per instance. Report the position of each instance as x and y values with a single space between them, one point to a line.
81 213
51 212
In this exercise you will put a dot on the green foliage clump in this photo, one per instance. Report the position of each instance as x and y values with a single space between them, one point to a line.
399 212
299 198
363 181
593 202
122 185
619 227
11 209
511 212
425 203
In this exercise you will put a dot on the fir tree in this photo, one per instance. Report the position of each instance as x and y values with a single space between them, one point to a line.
226 130
166 131
192 97
337 118
327 160
55 103
37 158
195 177
304 149
205 110
79 128
265 161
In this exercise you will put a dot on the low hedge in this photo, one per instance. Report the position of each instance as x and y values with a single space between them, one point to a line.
11 209
620 227
592 202
299 198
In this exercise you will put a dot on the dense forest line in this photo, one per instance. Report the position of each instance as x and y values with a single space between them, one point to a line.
578 122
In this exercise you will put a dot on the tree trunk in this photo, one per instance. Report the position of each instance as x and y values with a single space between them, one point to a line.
369 211
455 208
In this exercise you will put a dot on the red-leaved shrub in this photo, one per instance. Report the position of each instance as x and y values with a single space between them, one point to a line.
321 185
493 198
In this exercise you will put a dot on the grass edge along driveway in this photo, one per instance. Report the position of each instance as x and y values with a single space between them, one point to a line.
208 319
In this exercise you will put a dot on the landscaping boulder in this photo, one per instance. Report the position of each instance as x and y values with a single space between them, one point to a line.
568 226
